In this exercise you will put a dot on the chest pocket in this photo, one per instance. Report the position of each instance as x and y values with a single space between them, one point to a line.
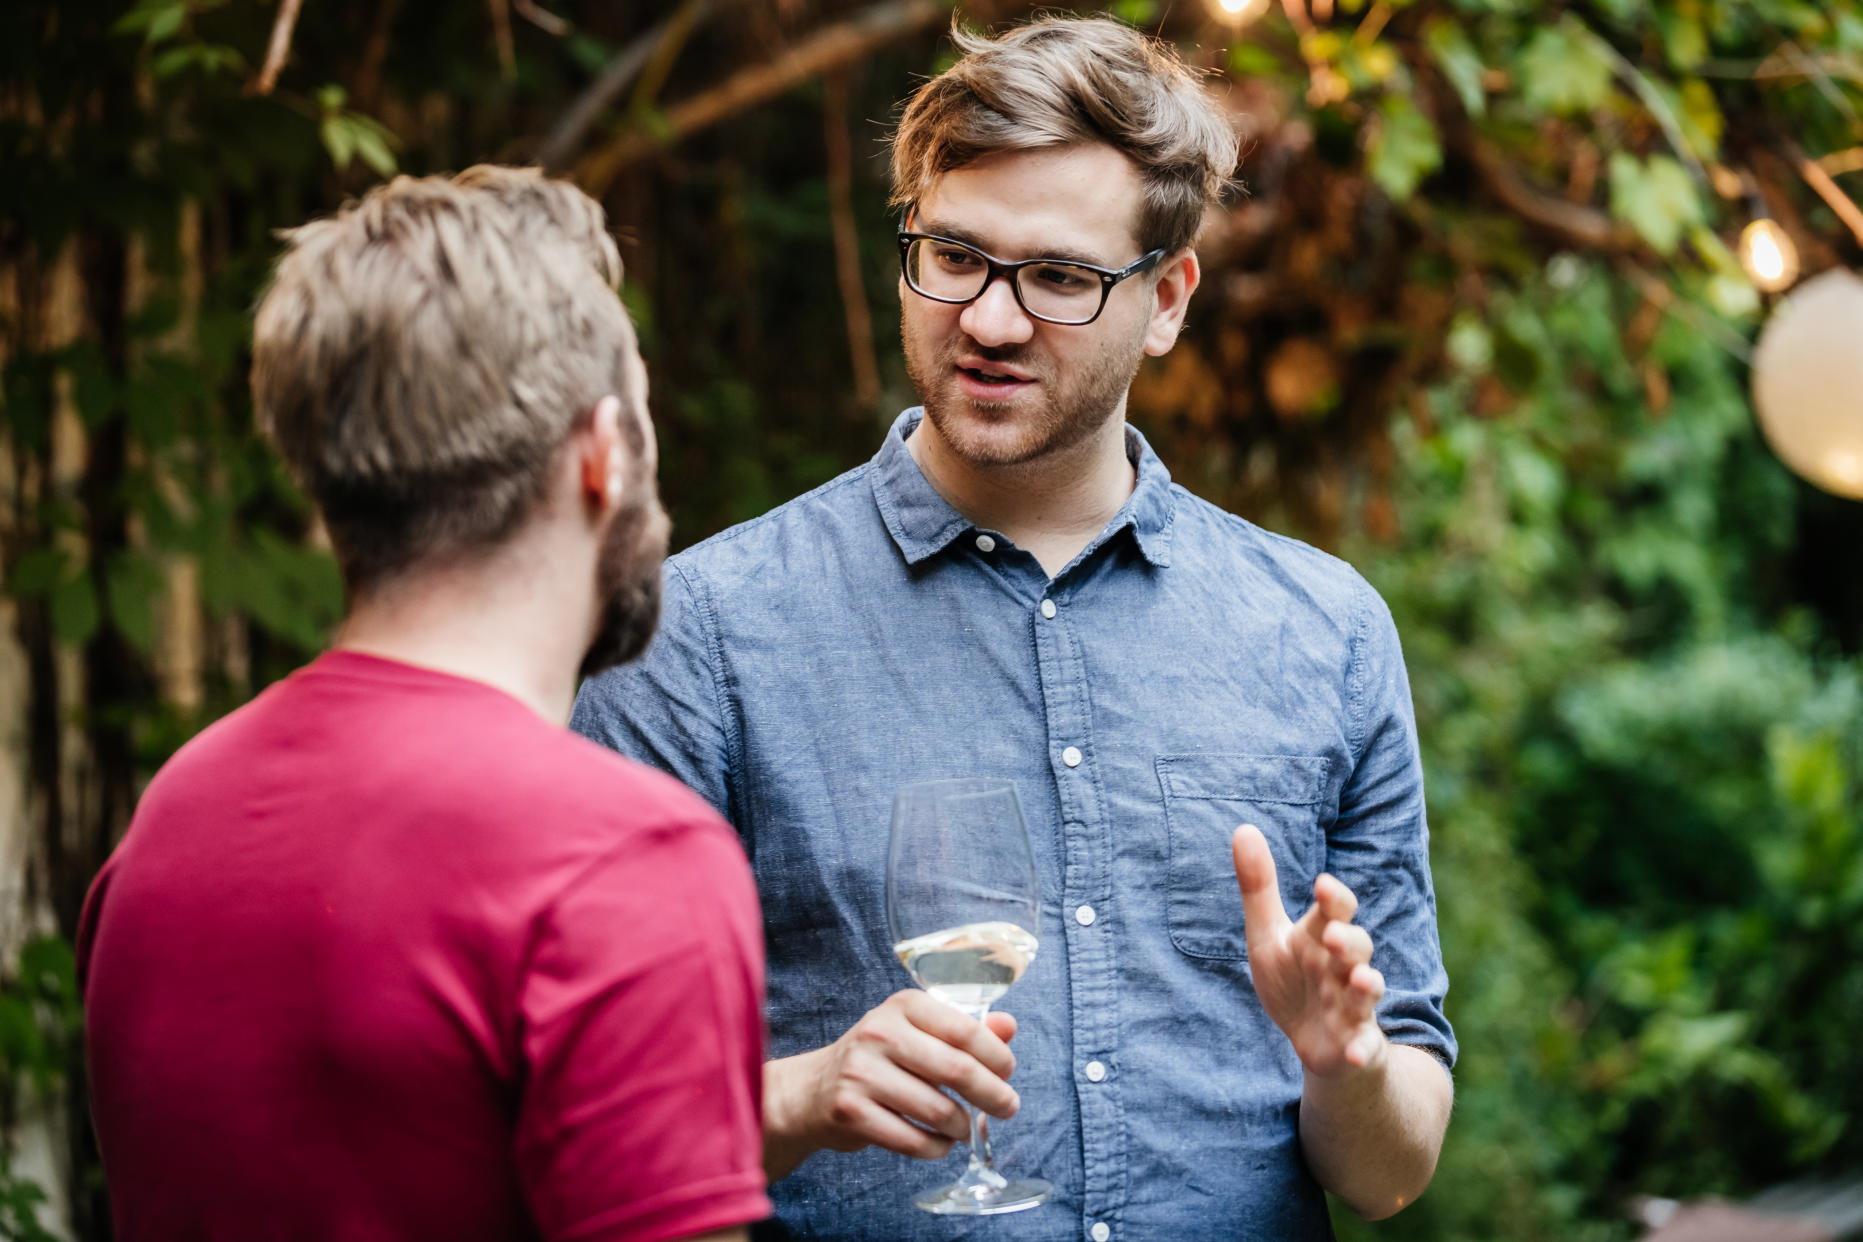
1205 798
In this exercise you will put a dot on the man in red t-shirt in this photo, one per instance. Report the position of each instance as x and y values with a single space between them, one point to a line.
387 954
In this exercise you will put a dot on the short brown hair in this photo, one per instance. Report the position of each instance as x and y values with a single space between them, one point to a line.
421 357
1065 80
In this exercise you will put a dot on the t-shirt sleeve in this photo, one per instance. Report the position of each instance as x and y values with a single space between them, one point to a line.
1379 845
665 708
640 1117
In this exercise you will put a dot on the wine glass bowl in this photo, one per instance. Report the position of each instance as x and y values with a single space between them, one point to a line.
963 904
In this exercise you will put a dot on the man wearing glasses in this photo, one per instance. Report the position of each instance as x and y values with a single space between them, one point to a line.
1013 587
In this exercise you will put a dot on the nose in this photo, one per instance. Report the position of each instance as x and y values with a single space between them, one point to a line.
996 318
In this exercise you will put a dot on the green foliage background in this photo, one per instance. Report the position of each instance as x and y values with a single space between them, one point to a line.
1633 637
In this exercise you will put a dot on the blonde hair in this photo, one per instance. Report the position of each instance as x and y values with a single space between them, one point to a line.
421 356
1065 80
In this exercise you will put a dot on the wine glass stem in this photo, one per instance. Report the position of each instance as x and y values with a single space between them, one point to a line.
982 1166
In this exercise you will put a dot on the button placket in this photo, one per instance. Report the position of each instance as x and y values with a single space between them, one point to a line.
1089 952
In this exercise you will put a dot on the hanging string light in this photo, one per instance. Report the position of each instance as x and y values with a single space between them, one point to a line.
1808 381
1240 11
1767 252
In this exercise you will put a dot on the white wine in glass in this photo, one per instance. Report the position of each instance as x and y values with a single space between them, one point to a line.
964 904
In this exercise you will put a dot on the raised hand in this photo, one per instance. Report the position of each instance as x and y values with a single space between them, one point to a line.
1314 974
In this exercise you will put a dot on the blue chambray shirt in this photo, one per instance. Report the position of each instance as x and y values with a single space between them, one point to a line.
1196 673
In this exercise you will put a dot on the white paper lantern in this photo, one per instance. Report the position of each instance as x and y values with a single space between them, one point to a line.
1808 381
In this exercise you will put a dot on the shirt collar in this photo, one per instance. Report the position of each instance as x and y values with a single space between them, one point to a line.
923 523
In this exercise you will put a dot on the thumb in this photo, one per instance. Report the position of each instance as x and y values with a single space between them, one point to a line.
1262 911
1002 1024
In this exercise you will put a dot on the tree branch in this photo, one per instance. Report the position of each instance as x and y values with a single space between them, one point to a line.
374 56
501 36
561 146
847 244
1585 227
278 48
825 50
1828 190
550 23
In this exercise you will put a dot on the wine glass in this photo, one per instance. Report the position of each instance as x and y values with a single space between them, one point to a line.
962 901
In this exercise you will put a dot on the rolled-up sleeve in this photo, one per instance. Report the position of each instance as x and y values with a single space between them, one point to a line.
1379 845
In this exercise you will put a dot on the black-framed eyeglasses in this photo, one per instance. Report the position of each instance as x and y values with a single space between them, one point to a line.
1051 290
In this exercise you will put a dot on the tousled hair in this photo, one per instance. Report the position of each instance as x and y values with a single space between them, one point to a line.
1060 81
421 357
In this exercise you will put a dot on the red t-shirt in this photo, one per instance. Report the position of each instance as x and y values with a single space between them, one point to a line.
386 956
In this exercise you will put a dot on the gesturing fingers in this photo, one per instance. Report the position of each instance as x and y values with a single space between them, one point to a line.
1336 902
1349 945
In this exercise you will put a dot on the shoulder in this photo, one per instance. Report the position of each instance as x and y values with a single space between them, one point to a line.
1257 559
578 782
841 508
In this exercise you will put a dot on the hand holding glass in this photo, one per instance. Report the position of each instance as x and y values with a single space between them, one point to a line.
963 902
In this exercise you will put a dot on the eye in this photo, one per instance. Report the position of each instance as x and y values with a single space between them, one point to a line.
955 257
1058 278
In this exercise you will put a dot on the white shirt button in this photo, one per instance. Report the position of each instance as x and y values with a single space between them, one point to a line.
1100 1231
985 544
1085 916
1095 1071
1047 609
1071 756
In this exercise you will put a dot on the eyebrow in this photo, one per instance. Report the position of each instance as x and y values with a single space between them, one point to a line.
971 239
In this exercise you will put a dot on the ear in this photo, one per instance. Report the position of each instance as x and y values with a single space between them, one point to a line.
601 461
1178 278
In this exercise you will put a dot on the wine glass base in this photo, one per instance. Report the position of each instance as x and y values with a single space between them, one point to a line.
973 1199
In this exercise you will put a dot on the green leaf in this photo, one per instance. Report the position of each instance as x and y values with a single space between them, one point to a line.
26 394
372 142
37 571
1470 344
1562 71
48 966
207 57
1253 60
174 61
166 23
93 388
590 53
133 586
1699 114
1684 38
1732 295
153 410
1658 199
74 610
339 140
1404 148
1460 62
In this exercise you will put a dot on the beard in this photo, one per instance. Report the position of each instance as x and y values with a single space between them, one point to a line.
1071 408
627 582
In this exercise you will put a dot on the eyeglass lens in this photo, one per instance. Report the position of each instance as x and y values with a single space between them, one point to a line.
953 273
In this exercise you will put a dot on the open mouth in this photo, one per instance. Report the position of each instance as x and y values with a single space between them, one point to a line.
986 382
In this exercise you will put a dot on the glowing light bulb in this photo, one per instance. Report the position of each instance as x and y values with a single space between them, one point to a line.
1240 10
1769 256
1807 373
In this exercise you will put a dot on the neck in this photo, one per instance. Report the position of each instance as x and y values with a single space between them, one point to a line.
498 619
1051 506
